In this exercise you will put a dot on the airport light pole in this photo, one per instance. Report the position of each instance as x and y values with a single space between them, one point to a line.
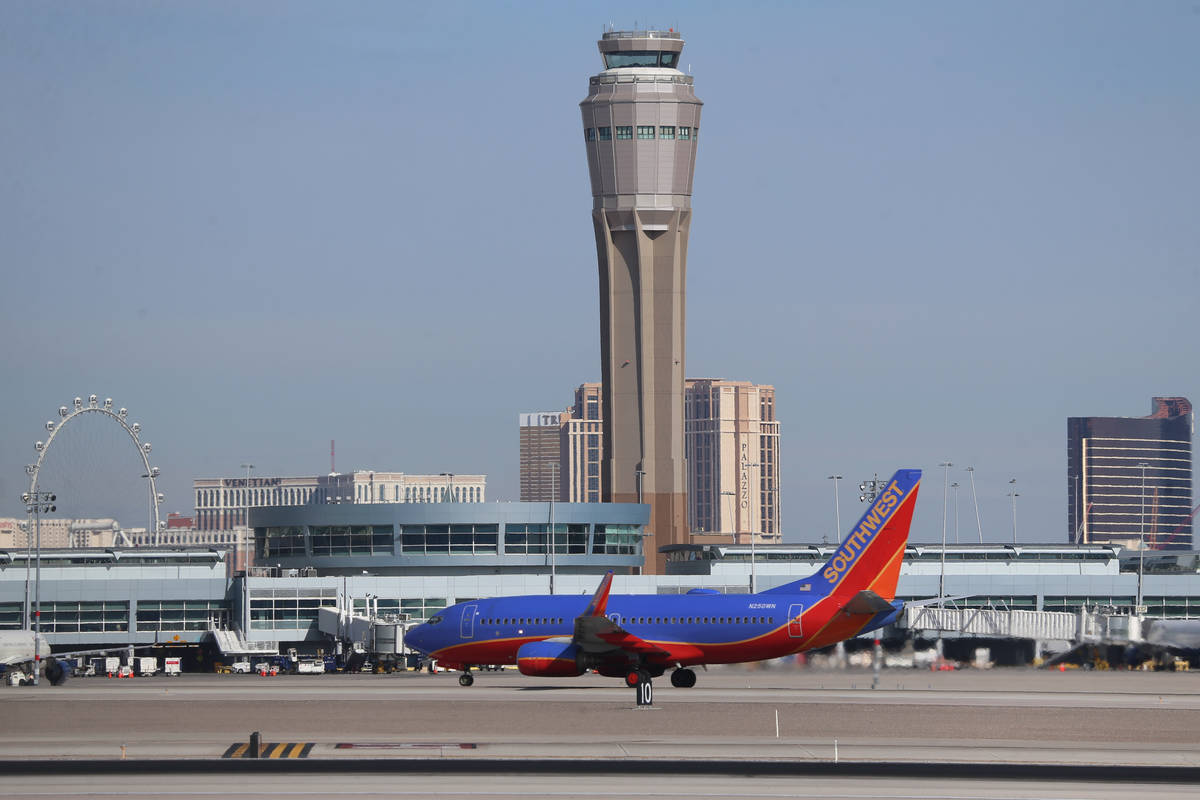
975 497
837 511
38 503
551 537
1141 541
246 561
1013 494
954 486
945 465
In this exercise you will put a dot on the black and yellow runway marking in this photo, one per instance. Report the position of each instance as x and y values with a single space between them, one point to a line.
271 750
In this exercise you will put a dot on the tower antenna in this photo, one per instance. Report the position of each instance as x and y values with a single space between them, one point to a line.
332 467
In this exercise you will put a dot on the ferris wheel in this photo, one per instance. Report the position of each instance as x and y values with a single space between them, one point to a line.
93 405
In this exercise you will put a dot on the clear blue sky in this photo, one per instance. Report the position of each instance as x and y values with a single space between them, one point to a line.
938 228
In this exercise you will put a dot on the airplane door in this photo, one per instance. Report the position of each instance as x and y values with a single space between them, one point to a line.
466 628
615 618
794 628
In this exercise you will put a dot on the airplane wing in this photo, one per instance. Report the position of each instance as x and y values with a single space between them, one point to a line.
596 633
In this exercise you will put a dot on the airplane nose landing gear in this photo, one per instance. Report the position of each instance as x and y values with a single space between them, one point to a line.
466 679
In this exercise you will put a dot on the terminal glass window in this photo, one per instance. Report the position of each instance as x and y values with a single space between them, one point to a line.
617 540
666 131
98 617
624 131
344 540
288 608
181 615
570 539
605 134
458 539
11 616
415 607
523 539
281 541
645 131
685 132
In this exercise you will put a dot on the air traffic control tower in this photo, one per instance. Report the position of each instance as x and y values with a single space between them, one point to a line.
641 121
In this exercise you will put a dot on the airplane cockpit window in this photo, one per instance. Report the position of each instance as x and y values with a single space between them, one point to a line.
435 620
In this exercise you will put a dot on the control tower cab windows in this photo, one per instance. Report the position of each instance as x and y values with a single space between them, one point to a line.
666 131
645 131
590 134
641 58
685 132
624 131
605 134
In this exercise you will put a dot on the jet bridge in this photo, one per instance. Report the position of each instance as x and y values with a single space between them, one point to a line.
995 623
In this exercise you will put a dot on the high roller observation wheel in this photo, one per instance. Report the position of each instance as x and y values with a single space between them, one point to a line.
94 406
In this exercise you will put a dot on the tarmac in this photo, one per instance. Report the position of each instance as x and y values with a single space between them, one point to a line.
993 727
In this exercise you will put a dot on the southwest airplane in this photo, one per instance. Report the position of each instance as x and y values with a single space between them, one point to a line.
638 637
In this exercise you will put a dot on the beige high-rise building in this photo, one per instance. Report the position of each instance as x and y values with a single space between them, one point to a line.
733 460
732 446
582 443
221 503
60 533
641 122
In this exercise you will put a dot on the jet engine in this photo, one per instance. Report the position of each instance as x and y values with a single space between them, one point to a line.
551 659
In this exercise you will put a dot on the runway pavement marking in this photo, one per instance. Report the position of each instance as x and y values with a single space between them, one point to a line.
403 745
271 750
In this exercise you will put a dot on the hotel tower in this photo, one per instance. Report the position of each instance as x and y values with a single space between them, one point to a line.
641 122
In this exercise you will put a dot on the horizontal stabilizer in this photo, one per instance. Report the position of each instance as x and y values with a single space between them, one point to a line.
867 602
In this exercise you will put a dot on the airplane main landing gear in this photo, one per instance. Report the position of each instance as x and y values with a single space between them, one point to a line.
466 679
683 678
636 677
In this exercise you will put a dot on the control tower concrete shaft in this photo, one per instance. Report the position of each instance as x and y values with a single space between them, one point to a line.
641 121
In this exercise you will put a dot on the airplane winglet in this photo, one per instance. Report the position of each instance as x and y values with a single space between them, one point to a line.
599 603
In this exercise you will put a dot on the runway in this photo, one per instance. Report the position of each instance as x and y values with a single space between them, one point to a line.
1001 717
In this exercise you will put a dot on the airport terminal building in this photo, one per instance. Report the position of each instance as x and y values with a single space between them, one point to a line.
414 561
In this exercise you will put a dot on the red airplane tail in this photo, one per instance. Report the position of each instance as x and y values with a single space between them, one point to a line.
869 557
